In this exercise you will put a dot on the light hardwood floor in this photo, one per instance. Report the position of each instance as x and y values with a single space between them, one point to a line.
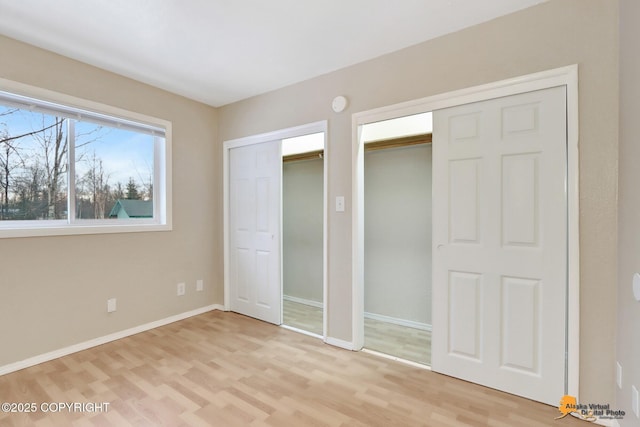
224 369
399 341
302 316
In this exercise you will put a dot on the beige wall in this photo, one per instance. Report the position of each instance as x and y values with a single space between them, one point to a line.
397 233
628 338
302 229
53 290
553 34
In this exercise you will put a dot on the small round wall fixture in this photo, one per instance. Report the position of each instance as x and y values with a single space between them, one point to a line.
339 103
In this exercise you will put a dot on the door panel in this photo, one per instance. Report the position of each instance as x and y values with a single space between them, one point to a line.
520 209
465 298
463 196
520 319
500 243
254 222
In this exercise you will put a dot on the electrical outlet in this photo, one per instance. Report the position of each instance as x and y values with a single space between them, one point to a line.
181 289
111 305
635 401
619 375
199 285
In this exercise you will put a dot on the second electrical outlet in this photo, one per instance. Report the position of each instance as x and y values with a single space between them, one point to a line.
181 289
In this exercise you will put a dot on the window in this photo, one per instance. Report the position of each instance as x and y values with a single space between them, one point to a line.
70 170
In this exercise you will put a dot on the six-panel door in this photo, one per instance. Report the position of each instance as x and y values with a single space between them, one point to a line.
500 243
254 223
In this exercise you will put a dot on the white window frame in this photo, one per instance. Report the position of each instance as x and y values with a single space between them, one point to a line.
162 212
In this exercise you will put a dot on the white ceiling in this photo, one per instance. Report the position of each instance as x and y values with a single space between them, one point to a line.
221 51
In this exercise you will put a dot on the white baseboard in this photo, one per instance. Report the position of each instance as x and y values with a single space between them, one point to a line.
301 331
347 345
397 359
32 361
600 422
397 321
373 316
309 302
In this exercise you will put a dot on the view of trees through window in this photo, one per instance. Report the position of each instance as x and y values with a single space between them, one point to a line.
43 156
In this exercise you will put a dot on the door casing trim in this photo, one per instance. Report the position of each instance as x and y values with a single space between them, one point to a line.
315 127
564 76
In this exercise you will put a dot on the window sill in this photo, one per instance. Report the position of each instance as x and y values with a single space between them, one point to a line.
62 228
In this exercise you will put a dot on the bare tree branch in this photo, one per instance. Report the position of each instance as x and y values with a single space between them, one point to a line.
11 138
11 111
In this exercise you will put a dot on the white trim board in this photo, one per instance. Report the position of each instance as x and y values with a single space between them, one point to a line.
301 331
397 359
347 345
397 321
600 422
292 132
563 76
55 354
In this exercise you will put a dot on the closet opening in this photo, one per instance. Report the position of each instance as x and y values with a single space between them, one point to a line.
303 233
397 237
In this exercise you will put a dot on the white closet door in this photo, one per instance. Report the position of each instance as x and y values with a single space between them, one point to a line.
500 243
254 222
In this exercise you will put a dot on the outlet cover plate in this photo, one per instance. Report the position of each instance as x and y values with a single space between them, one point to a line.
181 289
199 285
111 305
619 375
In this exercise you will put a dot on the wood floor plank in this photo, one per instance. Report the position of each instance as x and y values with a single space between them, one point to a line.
224 369
388 338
